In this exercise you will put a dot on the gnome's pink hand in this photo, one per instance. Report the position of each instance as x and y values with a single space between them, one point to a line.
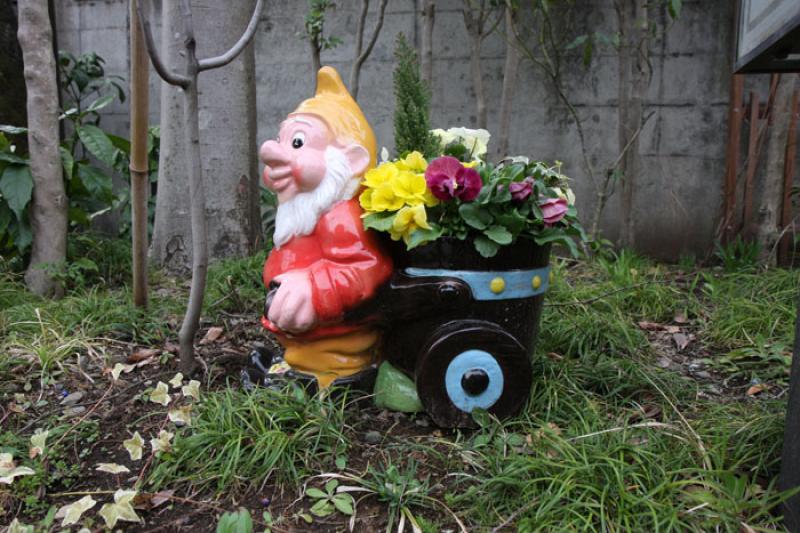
292 308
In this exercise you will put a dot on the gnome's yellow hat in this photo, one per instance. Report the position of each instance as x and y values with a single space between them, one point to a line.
334 105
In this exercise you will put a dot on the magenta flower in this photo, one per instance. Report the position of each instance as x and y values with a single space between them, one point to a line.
447 179
553 210
521 190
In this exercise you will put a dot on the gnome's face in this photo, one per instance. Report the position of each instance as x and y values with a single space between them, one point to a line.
295 162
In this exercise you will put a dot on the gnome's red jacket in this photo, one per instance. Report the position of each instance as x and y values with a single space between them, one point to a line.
346 264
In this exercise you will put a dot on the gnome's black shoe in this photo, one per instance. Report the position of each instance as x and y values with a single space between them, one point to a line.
268 369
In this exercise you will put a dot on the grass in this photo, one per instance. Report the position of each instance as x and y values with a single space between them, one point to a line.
245 438
608 441
582 458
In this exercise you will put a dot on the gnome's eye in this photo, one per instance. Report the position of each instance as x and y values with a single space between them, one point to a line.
298 140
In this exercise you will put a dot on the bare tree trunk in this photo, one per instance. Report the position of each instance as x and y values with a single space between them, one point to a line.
191 321
477 79
226 100
316 63
170 247
634 77
476 24
509 84
49 208
188 82
363 53
426 52
138 165
768 213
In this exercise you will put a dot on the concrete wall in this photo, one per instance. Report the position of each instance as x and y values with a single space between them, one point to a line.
683 145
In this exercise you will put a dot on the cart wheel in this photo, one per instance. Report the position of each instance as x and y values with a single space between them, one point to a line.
472 363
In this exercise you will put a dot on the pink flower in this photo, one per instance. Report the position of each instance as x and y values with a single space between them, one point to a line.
447 179
553 210
521 190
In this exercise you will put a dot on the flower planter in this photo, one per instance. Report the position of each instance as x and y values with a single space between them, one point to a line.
463 326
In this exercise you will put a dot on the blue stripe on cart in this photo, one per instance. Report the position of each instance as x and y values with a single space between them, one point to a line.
494 285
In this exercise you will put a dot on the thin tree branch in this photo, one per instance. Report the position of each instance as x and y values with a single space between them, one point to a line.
362 21
362 55
169 77
236 49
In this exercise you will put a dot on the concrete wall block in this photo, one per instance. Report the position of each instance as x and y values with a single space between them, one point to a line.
697 131
685 80
703 27
103 14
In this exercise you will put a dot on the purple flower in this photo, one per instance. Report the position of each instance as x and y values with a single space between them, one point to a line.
447 179
521 190
553 210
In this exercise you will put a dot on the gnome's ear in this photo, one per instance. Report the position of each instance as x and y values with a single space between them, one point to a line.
358 158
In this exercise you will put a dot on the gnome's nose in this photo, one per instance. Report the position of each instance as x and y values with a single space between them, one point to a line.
273 154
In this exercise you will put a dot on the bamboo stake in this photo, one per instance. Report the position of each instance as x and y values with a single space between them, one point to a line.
735 113
138 164
785 247
752 161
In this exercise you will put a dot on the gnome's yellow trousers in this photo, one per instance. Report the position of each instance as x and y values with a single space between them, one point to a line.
333 357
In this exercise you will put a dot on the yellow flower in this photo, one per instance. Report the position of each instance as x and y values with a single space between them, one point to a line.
365 199
471 164
407 221
413 162
379 175
410 187
383 198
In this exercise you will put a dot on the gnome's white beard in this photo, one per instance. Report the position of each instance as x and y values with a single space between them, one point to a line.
299 215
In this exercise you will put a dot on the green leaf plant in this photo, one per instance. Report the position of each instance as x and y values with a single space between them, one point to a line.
89 156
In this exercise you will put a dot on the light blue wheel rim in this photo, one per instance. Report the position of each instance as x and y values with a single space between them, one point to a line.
474 360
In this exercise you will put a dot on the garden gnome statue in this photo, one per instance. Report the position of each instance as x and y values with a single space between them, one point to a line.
324 263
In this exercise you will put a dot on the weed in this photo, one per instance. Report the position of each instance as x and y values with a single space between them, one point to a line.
247 437
329 500
738 255
235 285
237 522
750 307
583 457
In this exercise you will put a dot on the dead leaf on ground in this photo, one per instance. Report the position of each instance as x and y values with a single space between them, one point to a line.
681 340
142 354
650 326
151 500
757 389
171 347
680 318
212 335
672 329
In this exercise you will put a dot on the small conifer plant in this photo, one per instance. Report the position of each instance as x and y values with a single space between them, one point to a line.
411 123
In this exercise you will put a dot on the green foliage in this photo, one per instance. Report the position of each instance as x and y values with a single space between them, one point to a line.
412 102
245 437
738 255
88 187
327 501
236 522
314 24
235 286
583 458
495 219
269 209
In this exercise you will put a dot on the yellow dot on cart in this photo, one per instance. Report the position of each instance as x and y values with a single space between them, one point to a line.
536 282
497 285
